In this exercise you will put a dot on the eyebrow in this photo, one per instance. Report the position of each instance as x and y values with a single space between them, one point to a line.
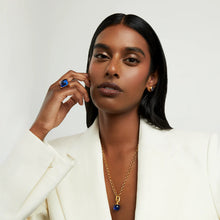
128 49
102 46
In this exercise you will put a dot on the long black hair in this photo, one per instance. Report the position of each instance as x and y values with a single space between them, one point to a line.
152 103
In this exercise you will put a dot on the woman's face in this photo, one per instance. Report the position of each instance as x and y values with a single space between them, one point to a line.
119 70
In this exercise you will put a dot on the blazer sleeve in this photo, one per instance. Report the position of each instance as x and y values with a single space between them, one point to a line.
30 172
214 170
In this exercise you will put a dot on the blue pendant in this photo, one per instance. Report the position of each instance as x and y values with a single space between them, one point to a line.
116 207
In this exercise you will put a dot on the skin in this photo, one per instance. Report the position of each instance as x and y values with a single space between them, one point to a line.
118 115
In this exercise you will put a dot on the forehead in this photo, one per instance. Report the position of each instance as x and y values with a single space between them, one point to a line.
121 36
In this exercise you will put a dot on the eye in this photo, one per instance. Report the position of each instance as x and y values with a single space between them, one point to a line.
101 56
132 61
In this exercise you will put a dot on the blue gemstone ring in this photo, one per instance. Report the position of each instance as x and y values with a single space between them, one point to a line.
64 83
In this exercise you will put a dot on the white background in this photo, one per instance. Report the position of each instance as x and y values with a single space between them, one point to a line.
41 40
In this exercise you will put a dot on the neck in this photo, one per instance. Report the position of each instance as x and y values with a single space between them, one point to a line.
119 133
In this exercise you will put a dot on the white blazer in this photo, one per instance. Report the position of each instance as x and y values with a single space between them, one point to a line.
178 177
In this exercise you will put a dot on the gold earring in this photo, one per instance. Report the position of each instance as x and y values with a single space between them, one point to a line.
151 89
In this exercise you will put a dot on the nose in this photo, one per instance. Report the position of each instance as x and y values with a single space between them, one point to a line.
112 69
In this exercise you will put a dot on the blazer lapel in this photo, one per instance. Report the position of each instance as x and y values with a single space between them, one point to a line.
160 176
146 155
84 187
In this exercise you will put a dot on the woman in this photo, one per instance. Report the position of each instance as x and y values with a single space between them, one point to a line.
129 164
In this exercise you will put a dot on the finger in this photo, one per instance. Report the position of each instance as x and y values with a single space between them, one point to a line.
80 88
69 104
72 75
83 77
61 94
78 97
76 85
78 92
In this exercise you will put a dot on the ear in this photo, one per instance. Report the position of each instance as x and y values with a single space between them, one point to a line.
152 81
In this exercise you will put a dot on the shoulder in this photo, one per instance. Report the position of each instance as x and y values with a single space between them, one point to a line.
189 147
189 137
174 137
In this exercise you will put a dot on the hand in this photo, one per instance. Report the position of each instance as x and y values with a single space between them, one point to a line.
54 110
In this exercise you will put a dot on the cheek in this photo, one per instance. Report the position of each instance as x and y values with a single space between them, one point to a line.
92 69
91 72
94 76
137 78
94 72
91 65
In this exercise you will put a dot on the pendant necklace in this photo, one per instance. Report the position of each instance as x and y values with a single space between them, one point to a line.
116 206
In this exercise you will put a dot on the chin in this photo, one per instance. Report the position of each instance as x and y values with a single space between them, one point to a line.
115 108
106 104
108 108
114 105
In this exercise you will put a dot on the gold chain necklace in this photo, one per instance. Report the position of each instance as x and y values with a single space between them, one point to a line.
118 195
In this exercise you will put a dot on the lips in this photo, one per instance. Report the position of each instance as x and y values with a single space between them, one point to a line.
108 85
109 89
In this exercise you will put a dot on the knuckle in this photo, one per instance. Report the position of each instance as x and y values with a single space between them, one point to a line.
75 84
71 72
51 87
73 90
